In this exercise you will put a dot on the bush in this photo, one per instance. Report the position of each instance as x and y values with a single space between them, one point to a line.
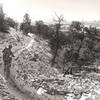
26 24
3 25
10 22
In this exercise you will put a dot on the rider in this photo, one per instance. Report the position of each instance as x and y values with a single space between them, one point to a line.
7 58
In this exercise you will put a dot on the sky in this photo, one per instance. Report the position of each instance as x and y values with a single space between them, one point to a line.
45 9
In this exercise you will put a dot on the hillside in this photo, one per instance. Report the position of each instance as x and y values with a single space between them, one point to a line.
33 77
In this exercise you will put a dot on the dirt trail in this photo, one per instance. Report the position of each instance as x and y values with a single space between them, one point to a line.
13 89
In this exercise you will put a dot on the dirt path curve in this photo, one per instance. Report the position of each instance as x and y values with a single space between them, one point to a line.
12 88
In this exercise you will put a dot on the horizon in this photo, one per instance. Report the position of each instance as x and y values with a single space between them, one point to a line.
72 10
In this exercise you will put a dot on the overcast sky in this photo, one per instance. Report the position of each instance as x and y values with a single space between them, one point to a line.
45 9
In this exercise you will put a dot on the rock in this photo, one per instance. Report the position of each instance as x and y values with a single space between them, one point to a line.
41 91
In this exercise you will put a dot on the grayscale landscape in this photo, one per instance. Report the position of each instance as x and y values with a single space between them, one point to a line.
56 59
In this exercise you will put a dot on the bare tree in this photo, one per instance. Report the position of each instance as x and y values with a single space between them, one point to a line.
58 20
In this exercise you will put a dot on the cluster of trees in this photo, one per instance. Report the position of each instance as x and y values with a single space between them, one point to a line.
40 28
11 23
6 22
80 51
78 46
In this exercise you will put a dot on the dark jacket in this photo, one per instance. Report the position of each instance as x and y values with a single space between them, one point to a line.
7 54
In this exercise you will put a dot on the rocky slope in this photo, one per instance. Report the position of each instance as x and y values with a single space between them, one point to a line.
33 75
